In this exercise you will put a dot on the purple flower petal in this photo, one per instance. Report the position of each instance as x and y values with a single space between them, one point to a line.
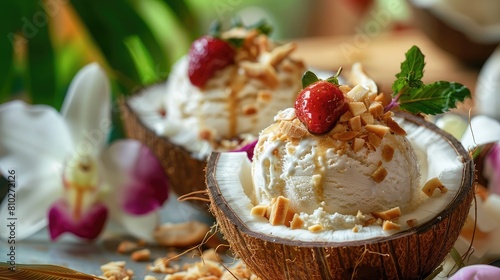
493 166
248 148
477 272
143 184
88 226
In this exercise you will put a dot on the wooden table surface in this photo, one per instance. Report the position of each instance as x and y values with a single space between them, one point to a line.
382 56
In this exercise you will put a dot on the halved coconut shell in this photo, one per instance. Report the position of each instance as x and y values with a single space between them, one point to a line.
410 254
185 172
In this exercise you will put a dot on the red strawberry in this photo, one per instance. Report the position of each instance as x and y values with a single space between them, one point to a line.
207 55
319 106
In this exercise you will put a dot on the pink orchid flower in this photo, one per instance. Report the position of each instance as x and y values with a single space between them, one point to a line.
66 177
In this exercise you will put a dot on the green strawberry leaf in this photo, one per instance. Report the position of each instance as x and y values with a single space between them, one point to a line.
262 26
309 78
432 99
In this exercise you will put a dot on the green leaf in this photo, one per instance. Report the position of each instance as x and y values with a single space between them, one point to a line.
7 48
111 24
309 78
41 78
185 16
262 26
412 71
435 98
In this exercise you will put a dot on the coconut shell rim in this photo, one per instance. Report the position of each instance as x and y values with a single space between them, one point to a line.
466 189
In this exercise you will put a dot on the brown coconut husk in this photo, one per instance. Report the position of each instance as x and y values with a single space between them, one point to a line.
186 173
410 254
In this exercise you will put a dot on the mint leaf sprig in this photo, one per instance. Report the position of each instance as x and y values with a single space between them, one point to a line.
412 95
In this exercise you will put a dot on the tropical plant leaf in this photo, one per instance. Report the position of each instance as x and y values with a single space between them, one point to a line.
41 67
42 271
7 45
185 16
111 24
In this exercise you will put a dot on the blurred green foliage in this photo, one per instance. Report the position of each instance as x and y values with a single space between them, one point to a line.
47 41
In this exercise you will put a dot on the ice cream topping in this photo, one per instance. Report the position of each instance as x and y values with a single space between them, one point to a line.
243 90
339 160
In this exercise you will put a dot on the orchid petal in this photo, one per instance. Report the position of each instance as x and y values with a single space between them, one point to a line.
89 226
33 145
141 227
248 148
492 169
477 272
87 108
139 175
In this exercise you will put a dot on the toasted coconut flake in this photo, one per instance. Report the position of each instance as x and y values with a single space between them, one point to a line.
367 118
374 139
126 247
296 222
394 127
357 144
379 174
355 123
345 136
356 108
141 255
315 228
378 129
279 211
376 109
433 184
291 129
338 128
412 223
389 214
387 153
259 210
346 117
389 225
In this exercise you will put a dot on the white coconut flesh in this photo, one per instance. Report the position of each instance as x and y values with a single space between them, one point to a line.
437 158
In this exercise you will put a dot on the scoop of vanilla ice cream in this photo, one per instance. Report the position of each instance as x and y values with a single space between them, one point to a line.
317 171
231 103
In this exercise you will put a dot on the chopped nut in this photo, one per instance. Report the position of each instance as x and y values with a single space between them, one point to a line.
390 214
358 93
181 234
355 123
141 255
292 129
431 185
345 136
387 153
394 127
388 225
345 89
338 128
127 246
367 118
383 99
356 108
297 222
380 130
346 117
374 139
315 228
264 96
379 174
412 222
357 228
289 217
376 110
279 211
357 144
259 210
249 109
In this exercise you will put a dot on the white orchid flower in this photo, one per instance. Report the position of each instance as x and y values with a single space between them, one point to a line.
66 178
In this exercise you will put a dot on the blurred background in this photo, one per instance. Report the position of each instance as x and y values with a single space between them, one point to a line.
46 42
